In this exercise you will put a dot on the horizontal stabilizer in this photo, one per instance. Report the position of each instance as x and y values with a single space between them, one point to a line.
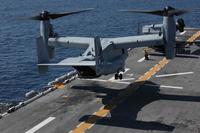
81 63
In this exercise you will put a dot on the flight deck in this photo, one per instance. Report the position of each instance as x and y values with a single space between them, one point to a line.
157 95
165 103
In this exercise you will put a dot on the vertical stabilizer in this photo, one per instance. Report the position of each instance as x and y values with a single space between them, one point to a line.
98 54
97 46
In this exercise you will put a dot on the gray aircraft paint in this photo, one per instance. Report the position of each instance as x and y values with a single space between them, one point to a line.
103 55
42 42
169 30
107 55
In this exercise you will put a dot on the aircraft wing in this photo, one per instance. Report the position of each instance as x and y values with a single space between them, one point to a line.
74 61
190 35
71 42
137 41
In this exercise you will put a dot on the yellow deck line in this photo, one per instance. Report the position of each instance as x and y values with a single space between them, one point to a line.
194 37
103 111
153 70
59 85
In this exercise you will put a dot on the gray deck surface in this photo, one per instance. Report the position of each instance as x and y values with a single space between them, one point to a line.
149 109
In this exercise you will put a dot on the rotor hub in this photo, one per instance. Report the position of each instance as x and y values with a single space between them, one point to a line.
44 15
167 9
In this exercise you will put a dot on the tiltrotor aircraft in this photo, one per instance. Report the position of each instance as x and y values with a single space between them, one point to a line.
182 38
105 56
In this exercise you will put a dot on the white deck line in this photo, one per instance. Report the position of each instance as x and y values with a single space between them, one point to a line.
165 86
173 74
142 59
127 79
40 125
172 87
100 80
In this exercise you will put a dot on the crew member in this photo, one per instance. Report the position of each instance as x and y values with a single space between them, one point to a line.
146 54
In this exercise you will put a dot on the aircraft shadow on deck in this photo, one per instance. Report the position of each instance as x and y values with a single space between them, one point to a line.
196 52
125 114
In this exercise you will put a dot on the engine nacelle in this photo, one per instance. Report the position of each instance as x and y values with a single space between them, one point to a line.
169 30
44 51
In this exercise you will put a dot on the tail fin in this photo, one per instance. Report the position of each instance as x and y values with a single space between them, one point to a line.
98 54
97 46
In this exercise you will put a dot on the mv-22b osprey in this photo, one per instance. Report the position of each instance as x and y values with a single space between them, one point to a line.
105 56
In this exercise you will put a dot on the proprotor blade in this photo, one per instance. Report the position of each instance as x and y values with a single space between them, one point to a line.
167 11
45 15
57 15
177 12
154 12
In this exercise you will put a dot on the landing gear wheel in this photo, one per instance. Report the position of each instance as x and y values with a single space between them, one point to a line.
116 76
120 76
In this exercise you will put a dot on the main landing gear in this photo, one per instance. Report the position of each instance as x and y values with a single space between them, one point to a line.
118 76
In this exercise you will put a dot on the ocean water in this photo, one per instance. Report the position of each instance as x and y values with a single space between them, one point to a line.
18 58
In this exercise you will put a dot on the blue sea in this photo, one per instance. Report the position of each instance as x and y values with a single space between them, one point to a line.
18 58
